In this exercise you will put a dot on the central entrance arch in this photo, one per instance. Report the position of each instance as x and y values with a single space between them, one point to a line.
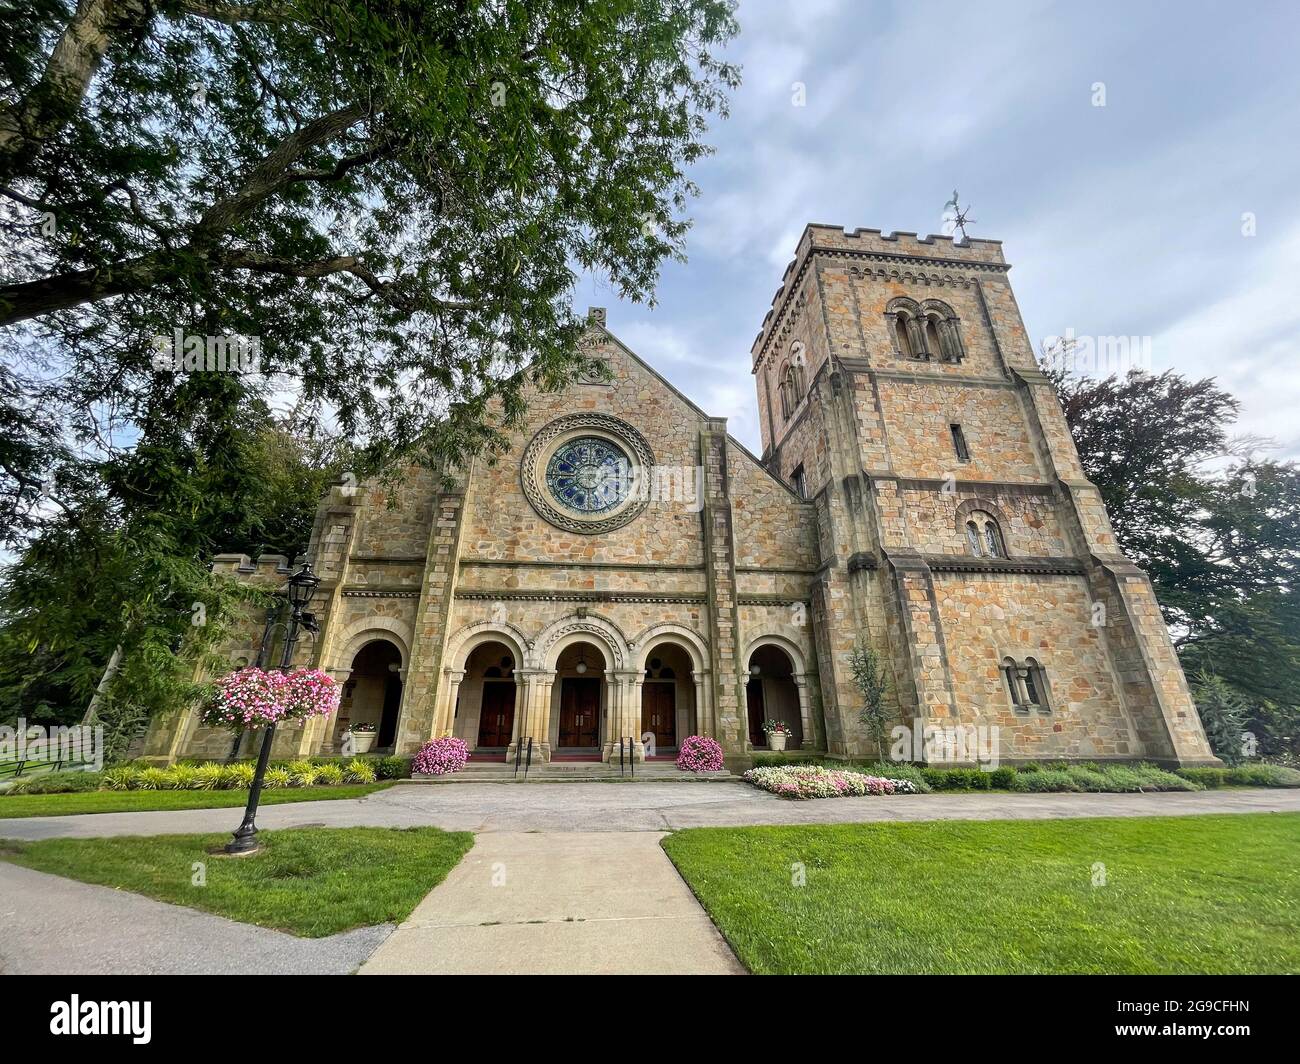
490 683
581 697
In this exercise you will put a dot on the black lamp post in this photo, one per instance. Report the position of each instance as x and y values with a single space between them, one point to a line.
302 586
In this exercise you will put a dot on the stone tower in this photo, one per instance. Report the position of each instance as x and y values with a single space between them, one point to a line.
957 533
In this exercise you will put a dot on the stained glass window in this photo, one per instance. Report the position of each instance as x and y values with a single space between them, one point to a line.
588 474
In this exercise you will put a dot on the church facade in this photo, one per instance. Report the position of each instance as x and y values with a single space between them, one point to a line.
627 574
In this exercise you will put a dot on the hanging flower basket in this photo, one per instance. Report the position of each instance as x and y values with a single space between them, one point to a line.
253 698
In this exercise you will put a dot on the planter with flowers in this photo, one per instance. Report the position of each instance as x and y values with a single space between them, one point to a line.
363 737
778 733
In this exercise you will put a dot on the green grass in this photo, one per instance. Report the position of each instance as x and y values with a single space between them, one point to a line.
307 881
1182 895
25 805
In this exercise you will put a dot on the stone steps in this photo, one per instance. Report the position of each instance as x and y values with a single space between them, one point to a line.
576 771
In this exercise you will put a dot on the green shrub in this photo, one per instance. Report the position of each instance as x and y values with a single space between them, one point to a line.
777 760
238 776
1263 776
207 777
1155 778
1209 778
1088 779
359 770
151 779
1003 779
276 778
329 775
56 783
1031 766
1048 780
120 777
957 779
302 773
393 768
182 777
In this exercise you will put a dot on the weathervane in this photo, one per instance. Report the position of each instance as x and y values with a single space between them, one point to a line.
955 218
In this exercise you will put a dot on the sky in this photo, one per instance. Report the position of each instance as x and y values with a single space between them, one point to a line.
1125 219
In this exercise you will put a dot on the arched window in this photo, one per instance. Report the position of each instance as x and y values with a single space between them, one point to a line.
901 336
933 348
993 540
1027 684
786 392
942 332
791 387
983 536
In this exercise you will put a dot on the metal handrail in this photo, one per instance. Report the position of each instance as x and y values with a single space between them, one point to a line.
520 757
631 754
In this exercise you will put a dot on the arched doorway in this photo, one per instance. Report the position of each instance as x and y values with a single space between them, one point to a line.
489 686
372 694
668 711
580 707
771 694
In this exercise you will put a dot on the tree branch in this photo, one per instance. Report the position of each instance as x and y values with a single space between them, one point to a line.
28 123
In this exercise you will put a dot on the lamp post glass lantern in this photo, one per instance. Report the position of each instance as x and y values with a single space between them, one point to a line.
299 591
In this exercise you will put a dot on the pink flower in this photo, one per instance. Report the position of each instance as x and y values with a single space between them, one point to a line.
440 756
698 753
253 698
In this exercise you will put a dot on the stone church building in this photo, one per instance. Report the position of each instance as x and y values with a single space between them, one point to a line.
627 574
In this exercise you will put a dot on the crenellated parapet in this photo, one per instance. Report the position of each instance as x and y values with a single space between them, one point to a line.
930 260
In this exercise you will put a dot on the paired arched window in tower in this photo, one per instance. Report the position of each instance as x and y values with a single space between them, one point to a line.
928 331
791 386
983 536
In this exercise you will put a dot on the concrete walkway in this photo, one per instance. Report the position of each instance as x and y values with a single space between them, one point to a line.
579 903
656 807
55 926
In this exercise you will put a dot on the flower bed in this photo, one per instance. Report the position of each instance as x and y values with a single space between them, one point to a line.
698 753
813 781
440 756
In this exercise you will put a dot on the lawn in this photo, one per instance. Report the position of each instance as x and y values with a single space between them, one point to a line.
308 881
1173 894
25 805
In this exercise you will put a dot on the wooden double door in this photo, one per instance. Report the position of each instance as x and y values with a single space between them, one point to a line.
659 712
579 711
496 720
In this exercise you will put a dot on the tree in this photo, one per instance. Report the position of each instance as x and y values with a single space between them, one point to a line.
390 198
870 680
1223 712
1215 526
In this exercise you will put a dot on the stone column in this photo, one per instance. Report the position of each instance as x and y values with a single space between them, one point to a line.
533 712
445 719
703 718
623 717
325 741
805 712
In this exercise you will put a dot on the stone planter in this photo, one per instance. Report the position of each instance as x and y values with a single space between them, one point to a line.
776 741
363 742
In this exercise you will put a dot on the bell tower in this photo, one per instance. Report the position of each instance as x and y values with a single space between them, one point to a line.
958 535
